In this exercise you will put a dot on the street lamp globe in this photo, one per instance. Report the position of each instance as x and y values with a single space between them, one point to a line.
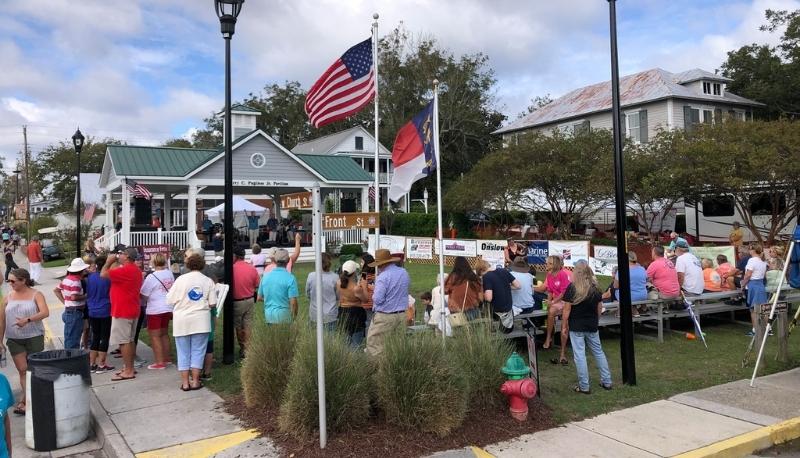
227 12
77 141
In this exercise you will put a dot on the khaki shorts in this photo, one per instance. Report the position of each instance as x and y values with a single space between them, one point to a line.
122 330
243 313
30 345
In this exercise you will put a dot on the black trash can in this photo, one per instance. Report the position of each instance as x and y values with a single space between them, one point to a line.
57 398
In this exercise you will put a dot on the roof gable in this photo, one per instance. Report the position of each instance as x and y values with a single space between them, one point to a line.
333 143
157 161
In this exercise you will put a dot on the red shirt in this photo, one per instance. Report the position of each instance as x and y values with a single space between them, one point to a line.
247 280
126 281
34 252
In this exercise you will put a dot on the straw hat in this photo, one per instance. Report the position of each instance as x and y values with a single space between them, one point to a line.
383 256
520 264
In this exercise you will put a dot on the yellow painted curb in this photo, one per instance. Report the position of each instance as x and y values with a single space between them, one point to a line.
480 453
202 448
747 443
48 334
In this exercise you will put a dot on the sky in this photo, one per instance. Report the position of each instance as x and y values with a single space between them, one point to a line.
145 71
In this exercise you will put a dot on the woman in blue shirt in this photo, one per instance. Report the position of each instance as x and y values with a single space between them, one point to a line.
638 276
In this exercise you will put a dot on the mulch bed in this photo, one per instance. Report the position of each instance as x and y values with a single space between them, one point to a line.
380 439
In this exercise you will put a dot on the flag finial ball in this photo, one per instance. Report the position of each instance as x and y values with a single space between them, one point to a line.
375 16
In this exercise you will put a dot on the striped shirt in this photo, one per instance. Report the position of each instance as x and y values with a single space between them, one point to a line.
16 309
71 287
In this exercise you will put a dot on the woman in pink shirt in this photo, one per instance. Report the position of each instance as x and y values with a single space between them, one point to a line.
726 272
555 284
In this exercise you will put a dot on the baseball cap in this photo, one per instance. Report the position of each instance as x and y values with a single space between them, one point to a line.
238 252
681 244
120 247
133 253
281 255
349 267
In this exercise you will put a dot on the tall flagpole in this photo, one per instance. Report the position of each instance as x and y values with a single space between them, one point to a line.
443 317
377 122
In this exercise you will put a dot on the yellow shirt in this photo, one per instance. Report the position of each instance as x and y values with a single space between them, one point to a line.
736 236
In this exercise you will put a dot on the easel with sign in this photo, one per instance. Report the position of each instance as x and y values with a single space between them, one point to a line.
533 356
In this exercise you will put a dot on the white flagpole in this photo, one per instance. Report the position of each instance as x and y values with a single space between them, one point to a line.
377 122
317 228
437 154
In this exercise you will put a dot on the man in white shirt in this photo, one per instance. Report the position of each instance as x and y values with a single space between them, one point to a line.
690 273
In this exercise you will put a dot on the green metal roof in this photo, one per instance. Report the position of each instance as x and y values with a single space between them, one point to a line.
241 107
157 161
336 168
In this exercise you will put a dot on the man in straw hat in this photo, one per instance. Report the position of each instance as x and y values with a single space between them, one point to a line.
390 300
70 292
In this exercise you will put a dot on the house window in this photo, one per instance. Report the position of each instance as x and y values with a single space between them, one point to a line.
574 128
762 204
634 126
717 89
706 88
708 116
718 206
359 143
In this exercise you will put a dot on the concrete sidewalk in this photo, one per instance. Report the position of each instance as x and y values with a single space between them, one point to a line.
727 420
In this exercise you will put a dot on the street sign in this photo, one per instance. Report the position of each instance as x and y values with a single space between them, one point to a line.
780 307
297 200
350 220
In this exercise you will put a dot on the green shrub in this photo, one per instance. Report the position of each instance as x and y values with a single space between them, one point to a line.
409 224
348 386
40 222
355 250
419 384
481 354
265 371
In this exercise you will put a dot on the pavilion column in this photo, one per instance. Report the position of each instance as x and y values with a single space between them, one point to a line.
191 212
109 212
364 209
167 211
126 216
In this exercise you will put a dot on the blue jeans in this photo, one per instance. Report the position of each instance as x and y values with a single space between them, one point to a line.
191 350
472 313
73 327
581 340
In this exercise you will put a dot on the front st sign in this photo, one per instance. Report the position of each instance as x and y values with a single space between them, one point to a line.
341 221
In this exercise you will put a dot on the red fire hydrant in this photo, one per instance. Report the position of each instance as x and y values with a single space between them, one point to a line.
519 387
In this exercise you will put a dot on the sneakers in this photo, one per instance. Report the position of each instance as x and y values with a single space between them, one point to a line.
751 333
205 377
157 366
139 363
103 368
93 368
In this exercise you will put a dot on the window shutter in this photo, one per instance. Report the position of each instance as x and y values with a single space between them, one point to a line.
582 127
748 115
688 124
717 115
731 114
643 126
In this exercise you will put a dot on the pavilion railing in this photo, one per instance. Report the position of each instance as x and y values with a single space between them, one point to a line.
179 239
346 237
109 240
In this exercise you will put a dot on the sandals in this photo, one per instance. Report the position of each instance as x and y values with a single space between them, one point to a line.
20 409
578 389
198 387
562 361
186 388
120 378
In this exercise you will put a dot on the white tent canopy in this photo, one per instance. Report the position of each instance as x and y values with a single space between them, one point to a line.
240 204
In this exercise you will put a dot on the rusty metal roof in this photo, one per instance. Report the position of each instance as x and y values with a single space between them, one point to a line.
636 89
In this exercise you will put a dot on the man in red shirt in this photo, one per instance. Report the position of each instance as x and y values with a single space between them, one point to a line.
244 288
126 282
35 258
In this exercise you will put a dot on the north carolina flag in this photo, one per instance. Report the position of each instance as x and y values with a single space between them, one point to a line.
412 155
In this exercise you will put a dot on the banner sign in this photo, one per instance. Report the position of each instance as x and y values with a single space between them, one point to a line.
300 200
711 252
344 221
417 248
602 266
493 252
606 253
538 250
570 251
393 243
455 247
146 253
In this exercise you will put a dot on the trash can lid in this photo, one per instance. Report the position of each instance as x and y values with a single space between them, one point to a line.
51 364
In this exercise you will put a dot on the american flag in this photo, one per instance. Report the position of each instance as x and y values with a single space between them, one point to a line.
138 190
372 193
345 88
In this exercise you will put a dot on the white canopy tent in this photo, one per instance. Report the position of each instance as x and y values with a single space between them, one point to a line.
241 207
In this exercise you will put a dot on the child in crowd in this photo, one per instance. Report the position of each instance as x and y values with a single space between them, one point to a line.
411 311
726 273
712 281
426 299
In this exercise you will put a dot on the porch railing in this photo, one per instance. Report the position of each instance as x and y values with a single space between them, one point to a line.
179 239
346 237
109 240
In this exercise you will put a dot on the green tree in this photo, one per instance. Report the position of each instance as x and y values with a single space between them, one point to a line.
56 166
178 143
769 74
751 161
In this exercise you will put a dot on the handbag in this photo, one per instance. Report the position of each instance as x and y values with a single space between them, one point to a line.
459 319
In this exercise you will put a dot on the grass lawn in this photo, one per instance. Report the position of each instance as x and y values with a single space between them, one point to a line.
55 263
662 370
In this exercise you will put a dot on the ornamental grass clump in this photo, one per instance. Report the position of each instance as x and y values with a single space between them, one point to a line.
481 355
348 386
265 371
420 385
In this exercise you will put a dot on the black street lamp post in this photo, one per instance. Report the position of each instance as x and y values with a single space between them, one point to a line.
227 12
77 141
625 312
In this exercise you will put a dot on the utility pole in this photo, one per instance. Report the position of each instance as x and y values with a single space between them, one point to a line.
27 184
